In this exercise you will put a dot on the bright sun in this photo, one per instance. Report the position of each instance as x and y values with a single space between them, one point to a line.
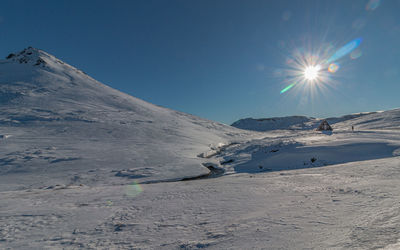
311 72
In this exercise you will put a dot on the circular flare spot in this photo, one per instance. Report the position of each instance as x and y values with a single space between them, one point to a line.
355 54
134 189
333 67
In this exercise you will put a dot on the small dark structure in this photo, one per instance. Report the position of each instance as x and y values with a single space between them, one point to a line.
324 126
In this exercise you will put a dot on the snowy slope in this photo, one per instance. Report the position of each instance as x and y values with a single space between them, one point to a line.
376 135
287 150
61 122
378 120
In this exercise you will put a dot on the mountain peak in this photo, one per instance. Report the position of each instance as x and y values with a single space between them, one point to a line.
39 58
30 56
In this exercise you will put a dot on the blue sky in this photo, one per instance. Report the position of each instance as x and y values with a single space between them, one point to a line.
221 60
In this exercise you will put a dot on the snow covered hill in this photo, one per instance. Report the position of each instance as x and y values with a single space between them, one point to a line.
292 142
266 124
296 122
389 119
61 122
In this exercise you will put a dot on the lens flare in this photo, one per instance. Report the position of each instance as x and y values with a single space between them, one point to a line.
312 71
348 48
333 67
133 189
287 88
373 4
355 54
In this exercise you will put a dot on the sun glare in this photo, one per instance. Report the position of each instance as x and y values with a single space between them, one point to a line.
311 72
317 66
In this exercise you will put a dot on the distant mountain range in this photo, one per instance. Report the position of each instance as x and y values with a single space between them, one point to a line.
360 120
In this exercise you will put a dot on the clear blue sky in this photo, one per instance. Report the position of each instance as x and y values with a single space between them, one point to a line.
221 60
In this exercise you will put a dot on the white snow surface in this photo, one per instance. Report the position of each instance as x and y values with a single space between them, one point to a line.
85 166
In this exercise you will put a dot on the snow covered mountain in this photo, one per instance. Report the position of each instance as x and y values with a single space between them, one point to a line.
61 122
266 124
303 122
